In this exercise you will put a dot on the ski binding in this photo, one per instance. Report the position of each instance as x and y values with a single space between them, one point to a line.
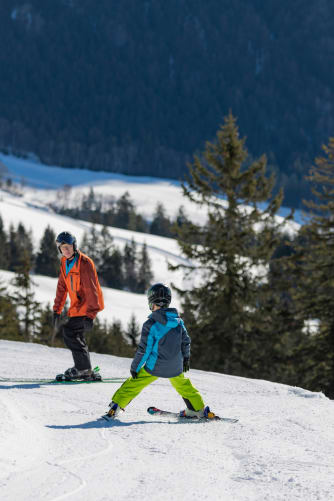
155 411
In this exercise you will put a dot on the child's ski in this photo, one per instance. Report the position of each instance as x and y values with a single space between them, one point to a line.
155 411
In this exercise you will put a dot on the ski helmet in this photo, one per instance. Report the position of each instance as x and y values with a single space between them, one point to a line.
65 237
160 295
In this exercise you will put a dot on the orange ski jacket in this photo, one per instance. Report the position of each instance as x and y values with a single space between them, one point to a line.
82 285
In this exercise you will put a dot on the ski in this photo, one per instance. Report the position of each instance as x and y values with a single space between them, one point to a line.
63 378
154 411
63 381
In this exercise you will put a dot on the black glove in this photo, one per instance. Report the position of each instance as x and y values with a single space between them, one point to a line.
186 364
134 374
88 323
56 320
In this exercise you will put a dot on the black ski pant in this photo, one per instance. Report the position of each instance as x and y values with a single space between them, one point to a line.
74 338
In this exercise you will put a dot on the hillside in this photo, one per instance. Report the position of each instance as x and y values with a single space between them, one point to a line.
42 185
138 87
53 446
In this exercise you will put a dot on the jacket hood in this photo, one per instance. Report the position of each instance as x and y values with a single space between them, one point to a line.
163 315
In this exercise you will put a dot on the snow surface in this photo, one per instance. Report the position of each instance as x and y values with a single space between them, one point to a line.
53 446
146 192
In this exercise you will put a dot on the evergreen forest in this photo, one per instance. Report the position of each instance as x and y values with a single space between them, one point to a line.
138 86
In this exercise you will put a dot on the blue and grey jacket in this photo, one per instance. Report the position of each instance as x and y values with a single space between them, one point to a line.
163 345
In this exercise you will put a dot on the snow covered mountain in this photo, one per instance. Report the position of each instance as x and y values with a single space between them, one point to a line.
53 446
41 186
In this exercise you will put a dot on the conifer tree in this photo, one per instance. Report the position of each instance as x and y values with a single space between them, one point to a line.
20 247
231 253
23 298
45 332
314 279
4 250
132 332
161 224
9 323
145 275
125 212
129 264
113 270
110 267
47 259
91 245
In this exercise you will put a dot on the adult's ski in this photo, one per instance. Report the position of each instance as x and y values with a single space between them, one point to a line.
27 380
154 411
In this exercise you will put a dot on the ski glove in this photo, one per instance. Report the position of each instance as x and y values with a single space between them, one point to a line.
56 320
134 374
186 364
88 323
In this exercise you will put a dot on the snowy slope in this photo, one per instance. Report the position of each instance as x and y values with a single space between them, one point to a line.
146 192
45 181
53 447
42 184
119 305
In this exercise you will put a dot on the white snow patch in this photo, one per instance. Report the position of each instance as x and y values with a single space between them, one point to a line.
53 447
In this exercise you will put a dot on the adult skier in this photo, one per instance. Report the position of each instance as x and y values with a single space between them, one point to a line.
78 279
163 351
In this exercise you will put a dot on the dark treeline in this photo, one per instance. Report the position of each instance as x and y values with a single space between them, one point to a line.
263 308
137 87
121 213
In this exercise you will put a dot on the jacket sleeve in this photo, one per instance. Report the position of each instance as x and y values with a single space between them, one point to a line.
89 287
145 346
185 346
61 294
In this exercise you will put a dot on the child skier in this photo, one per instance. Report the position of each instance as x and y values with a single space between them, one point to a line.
163 351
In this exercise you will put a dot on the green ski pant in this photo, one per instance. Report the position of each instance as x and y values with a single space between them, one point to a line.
132 387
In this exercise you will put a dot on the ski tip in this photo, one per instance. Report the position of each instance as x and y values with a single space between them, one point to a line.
152 410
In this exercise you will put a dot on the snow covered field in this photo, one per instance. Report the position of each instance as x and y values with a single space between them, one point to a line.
41 187
53 447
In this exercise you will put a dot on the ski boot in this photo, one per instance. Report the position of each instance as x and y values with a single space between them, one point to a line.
74 374
203 413
113 412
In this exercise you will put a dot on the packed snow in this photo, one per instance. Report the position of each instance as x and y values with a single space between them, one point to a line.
53 446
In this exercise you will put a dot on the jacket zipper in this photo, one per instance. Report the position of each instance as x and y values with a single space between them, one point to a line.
71 277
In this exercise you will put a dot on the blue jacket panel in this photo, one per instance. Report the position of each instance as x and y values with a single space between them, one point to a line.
163 345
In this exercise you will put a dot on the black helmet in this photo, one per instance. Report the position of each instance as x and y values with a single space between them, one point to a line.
65 237
160 295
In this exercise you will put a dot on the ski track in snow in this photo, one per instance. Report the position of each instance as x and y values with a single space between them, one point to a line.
54 447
